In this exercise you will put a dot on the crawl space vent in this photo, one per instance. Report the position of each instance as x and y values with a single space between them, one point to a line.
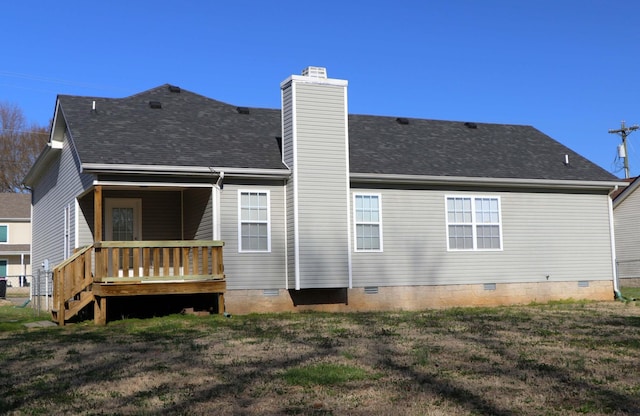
155 104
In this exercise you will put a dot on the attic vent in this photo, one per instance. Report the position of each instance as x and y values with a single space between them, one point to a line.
243 110
173 88
471 125
315 72
155 104
402 120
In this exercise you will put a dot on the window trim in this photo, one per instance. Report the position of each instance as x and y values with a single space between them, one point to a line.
474 224
7 227
379 223
267 192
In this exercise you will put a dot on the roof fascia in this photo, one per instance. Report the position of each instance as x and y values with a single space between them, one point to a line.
313 80
461 180
51 150
184 170
630 189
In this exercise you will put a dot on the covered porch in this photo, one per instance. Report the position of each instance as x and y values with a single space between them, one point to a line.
140 240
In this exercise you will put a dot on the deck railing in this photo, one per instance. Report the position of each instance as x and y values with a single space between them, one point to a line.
71 277
129 261
113 262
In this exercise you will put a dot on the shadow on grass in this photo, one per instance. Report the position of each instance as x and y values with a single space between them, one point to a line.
184 364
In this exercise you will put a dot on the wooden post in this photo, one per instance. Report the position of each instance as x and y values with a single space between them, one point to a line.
97 213
100 310
220 303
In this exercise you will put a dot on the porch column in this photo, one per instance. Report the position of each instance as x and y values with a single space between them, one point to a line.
97 213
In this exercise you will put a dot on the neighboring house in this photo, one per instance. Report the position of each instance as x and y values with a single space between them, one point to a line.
626 214
15 238
322 209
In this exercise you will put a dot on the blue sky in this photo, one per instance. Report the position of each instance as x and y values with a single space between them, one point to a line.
567 67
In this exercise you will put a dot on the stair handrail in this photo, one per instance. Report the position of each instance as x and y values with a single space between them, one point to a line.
63 290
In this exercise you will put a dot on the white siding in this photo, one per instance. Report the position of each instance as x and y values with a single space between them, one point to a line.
251 270
563 236
315 148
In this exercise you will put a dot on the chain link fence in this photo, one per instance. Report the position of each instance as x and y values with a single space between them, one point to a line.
42 290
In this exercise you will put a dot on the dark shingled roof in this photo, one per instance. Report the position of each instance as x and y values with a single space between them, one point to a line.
16 206
14 248
192 130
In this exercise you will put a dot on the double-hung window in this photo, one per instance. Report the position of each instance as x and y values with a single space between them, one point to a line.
473 223
368 222
254 226
4 233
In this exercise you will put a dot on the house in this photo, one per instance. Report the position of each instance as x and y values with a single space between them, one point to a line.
15 238
317 208
626 202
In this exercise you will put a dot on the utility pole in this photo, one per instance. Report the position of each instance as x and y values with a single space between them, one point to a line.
624 131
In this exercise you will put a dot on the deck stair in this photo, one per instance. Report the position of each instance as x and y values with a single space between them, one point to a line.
72 281
134 268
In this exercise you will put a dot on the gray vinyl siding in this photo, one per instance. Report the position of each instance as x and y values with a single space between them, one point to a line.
250 270
51 194
321 174
198 214
563 236
85 224
287 157
627 231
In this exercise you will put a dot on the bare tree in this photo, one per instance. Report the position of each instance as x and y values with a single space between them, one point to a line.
20 145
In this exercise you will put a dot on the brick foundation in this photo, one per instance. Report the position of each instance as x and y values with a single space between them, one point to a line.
412 297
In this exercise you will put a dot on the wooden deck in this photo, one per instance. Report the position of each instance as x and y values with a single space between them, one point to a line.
136 268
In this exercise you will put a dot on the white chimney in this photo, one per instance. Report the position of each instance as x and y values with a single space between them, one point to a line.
315 72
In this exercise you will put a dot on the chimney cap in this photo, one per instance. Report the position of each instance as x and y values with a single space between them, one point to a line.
315 72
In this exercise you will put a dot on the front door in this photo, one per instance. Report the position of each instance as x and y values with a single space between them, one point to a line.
123 223
123 219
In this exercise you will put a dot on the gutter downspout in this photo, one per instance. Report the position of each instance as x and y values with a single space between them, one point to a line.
614 264
217 189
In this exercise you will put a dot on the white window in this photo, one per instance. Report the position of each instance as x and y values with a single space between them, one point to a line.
4 233
368 222
254 228
473 223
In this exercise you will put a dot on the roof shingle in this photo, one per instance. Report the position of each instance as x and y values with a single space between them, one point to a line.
14 205
193 130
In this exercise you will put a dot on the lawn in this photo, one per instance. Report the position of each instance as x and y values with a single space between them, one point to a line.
564 358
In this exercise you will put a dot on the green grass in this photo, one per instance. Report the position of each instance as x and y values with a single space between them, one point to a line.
12 318
630 292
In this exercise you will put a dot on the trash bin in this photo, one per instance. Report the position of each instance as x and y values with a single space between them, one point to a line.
3 288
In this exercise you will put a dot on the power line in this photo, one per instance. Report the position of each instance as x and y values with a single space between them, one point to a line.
58 81
623 132
23 131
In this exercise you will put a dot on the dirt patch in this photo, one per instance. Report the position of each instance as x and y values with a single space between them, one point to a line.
557 359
